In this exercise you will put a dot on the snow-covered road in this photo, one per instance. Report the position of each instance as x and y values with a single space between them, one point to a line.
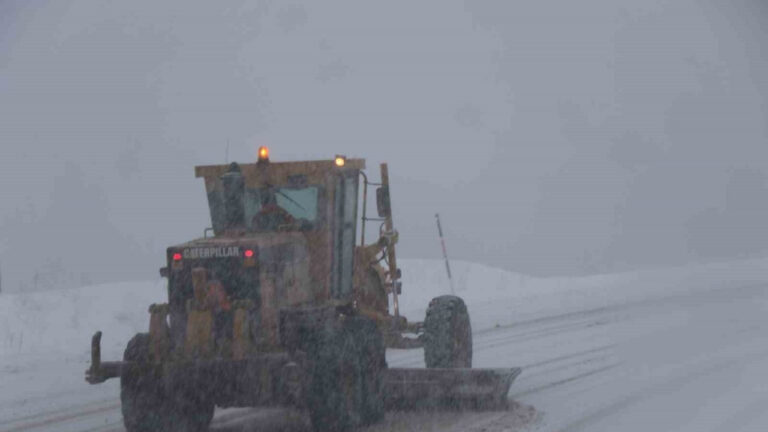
685 359
684 363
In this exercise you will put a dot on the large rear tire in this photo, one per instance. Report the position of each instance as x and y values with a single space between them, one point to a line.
373 358
447 334
147 407
345 369
141 394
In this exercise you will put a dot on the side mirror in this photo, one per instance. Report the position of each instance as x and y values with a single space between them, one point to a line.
399 287
382 202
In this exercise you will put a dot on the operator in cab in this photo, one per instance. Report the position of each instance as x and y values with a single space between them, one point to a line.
271 216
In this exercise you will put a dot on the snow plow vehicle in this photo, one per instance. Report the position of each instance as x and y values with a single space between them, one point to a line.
280 306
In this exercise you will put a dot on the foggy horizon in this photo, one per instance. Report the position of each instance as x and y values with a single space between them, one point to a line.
579 139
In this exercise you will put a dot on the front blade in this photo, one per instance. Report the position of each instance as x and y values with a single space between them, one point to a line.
447 388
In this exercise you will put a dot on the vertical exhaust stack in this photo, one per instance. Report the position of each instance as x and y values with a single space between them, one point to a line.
234 189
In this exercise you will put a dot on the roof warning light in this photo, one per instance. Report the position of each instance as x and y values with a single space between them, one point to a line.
263 154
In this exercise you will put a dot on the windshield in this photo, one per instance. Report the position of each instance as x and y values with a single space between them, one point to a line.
274 208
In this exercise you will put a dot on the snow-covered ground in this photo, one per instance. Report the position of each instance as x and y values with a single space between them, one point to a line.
671 349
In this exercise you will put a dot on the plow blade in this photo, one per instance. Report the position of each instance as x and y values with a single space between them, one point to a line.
447 388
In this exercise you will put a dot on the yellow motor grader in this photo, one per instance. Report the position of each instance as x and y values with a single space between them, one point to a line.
278 304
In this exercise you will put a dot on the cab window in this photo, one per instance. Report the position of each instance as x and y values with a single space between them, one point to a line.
300 203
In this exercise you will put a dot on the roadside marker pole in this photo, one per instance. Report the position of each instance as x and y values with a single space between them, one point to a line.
445 252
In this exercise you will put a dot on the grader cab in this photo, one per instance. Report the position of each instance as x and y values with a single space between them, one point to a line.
280 305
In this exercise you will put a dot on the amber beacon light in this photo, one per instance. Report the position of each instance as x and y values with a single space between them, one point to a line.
263 154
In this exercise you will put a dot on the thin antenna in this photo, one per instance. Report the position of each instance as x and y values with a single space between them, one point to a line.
226 153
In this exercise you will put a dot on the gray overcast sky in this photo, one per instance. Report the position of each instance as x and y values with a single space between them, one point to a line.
555 137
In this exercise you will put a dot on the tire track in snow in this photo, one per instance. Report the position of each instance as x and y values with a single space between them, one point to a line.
646 392
569 365
53 413
567 380
569 356
537 334
97 411
62 418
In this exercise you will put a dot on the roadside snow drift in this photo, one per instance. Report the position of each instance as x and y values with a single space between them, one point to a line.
60 323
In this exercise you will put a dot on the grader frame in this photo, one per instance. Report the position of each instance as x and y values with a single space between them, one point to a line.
285 289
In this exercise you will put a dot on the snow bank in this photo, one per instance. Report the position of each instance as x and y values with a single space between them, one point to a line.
497 297
60 323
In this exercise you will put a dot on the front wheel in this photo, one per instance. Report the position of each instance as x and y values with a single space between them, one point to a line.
141 392
447 334
345 368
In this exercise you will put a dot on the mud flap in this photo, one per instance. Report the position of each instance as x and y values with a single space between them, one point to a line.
406 389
